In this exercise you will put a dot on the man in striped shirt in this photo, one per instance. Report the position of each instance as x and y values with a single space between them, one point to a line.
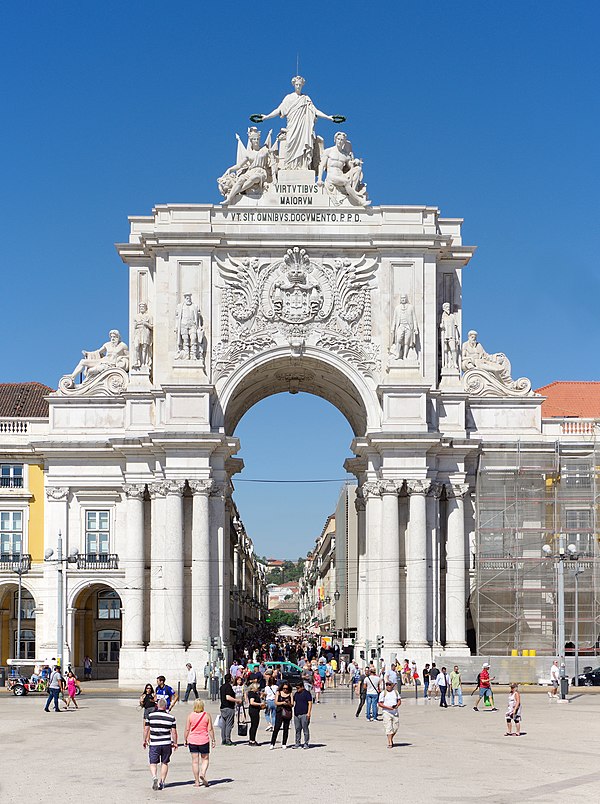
160 735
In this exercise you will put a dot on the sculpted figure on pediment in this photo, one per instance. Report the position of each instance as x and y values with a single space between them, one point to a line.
254 169
104 370
489 375
189 330
344 172
112 354
301 114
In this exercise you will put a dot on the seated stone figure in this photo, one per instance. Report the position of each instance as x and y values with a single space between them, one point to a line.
112 354
474 356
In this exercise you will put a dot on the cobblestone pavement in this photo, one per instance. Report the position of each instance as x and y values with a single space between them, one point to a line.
95 754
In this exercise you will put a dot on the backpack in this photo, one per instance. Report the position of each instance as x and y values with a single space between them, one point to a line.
478 680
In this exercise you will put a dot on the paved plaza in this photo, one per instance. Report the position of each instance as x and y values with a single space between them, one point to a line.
455 755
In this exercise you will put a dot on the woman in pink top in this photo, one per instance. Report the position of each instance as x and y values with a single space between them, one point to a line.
196 736
71 690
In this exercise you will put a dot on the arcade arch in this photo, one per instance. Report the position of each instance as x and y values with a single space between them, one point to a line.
96 625
8 622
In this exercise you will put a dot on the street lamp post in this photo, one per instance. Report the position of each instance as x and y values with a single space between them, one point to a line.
22 568
59 560
577 572
559 557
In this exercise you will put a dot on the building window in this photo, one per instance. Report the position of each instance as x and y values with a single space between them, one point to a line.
27 605
109 606
11 534
577 475
578 526
97 531
27 644
109 644
11 476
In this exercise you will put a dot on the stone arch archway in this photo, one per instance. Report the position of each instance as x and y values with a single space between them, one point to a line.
95 627
8 621
316 372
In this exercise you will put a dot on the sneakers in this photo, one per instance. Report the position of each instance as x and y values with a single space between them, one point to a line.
271 748
155 783
161 785
305 746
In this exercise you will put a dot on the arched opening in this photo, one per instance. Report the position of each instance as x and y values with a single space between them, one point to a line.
97 615
9 606
302 435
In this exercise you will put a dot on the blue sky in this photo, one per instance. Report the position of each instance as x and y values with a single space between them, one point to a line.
488 111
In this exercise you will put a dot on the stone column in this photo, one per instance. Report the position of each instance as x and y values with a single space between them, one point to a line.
361 555
157 561
132 550
219 523
56 518
433 564
201 581
416 564
389 589
173 565
456 567
372 493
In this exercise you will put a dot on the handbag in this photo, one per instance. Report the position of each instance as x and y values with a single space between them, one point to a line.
242 725
219 723
286 713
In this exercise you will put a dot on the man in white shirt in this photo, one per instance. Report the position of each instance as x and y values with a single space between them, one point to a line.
372 687
443 682
191 683
392 675
389 701
554 679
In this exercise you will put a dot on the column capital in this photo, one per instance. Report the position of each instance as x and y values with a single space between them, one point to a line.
201 486
57 493
218 490
174 487
390 486
457 490
436 490
418 486
372 489
134 491
157 489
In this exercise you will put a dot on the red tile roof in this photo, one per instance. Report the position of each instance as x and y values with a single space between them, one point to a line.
24 400
577 399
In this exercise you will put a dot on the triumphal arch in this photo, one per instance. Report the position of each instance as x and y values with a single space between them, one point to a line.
295 281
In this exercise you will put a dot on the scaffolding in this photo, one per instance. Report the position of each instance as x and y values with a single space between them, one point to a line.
526 497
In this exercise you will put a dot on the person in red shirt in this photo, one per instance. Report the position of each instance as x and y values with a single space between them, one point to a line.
484 683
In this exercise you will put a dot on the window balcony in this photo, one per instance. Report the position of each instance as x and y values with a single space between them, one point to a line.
97 561
11 482
15 562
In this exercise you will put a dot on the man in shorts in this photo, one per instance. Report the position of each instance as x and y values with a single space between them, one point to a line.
389 701
160 735
554 679
485 687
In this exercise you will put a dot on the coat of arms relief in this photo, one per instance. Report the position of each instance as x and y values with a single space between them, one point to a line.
296 301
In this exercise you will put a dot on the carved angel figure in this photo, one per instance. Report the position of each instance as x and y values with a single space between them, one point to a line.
344 172
112 354
255 167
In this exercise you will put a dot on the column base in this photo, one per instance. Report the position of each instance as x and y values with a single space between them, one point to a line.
455 649
138 666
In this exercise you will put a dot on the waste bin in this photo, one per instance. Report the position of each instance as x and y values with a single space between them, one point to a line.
2 677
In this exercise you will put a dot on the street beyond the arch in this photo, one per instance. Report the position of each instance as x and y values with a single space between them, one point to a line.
454 755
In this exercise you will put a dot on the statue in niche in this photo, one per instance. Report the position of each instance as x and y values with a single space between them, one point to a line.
255 167
142 337
189 330
344 172
449 337
112 354
300 114
404 329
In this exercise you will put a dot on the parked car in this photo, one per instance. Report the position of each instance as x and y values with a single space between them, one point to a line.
589 678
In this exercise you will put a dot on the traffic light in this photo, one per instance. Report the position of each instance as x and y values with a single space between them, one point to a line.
215 643
379 642
362 654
